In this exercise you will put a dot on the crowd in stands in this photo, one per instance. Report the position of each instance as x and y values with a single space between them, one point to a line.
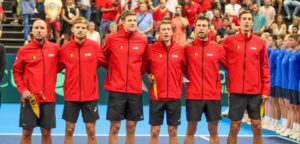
105 16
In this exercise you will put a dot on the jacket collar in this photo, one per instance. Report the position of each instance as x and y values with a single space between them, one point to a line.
199 42
163 47
35 44
126 34
245 36
75 43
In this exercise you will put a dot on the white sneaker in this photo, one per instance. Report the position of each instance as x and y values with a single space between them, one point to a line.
282 130
225 113
295 135
273 128
298 139
244 120
286 133
265 125
278 128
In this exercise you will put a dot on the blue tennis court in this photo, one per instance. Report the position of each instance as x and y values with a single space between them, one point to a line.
10 133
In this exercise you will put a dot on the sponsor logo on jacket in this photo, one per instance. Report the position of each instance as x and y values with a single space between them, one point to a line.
252 48
209 54
135 48
174 56
87 54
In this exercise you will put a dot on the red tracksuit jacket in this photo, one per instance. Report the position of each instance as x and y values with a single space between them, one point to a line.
81 62
124 52
166 63
35 69
202 70
247 64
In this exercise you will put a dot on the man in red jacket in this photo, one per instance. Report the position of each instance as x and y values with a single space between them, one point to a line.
34 72
124 52
203 92
248 77
80 57
165 61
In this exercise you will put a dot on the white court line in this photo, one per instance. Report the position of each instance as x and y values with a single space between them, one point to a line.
288 139
205 138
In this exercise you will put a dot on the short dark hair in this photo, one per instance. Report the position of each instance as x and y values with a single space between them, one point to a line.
294 26
226 18
215 5
245 12
274 37
296 37
202 18
281 36
164 22
127 13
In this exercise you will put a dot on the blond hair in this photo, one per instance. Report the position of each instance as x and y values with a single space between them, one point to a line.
81 20
265 35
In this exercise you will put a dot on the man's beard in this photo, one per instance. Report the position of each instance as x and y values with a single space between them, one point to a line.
202 37
39 39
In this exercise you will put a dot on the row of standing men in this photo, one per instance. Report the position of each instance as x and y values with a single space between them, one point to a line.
126 56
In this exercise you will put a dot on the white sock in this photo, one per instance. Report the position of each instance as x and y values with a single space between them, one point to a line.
273 121
294 127
266 119
277 123
269 120
298 127
284 122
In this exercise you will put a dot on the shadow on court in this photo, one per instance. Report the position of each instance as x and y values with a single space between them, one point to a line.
82 139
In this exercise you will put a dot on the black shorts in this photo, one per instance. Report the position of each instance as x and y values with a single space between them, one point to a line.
278 92
88 109
124 106
158 108
286 93
238 103
294 97
47 118
211 109
273 92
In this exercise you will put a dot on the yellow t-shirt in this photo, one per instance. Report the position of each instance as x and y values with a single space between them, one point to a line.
53 8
